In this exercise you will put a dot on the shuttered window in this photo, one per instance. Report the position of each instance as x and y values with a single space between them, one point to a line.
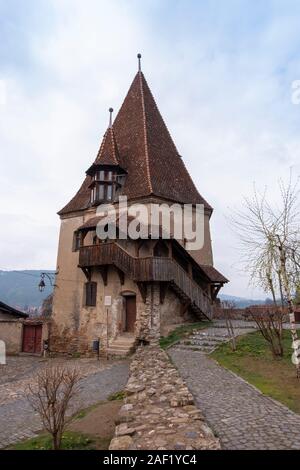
77 241
90 294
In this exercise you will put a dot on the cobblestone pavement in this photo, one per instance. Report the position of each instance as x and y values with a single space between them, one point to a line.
241 416
19 372
18 421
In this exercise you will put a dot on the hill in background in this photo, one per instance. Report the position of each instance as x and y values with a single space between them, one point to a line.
20 290
241 302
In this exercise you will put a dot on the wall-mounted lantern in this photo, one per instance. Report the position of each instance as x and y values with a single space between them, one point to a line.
50 277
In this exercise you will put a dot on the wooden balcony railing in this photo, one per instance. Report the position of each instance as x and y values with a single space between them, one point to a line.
146 269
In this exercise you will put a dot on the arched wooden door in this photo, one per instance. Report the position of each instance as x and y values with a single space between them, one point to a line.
130 313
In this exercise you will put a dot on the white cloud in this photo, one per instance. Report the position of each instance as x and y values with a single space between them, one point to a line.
3 94
225 98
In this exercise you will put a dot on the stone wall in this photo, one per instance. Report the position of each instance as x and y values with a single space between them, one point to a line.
170 314
159 411
11 334
148 322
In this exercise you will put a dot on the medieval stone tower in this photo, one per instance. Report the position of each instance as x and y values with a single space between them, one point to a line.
122 291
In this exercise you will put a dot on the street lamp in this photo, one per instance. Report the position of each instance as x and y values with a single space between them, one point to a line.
42 283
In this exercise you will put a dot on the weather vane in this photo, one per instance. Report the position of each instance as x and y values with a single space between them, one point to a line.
110 116
139 56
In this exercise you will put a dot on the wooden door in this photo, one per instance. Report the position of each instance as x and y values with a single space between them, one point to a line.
38 339
130 313
32 338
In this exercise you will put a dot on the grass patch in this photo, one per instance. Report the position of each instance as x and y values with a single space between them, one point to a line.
82 413
117 396
70 441
90 429
181 332
254 362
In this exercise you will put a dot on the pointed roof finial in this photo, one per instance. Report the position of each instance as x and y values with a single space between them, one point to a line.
139 56
110 116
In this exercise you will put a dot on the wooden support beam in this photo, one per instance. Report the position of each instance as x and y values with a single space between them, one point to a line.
215 289
87 273
103 271
162 291
121 276
138 246
184 307
143 290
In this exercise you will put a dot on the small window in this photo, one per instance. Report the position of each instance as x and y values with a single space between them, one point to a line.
99 175
91 294
109 192
77 241
100 192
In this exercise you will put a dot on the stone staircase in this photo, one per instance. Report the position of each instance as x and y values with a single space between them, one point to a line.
122 345
203 341
206 341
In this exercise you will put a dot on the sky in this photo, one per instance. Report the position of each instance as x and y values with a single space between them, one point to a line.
221 73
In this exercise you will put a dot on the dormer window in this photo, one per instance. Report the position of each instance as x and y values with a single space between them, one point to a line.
105 175
104 186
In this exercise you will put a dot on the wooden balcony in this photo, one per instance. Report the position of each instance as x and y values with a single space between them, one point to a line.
161 269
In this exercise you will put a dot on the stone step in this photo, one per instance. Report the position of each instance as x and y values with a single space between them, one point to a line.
203 349
202 345
209 340
123 340
204 341
123 343
118 352
120 346
218 339
211 335
240 327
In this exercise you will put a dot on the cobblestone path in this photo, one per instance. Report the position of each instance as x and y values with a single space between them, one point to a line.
240 415
18 421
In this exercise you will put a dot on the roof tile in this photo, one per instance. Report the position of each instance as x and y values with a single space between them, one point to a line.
141 144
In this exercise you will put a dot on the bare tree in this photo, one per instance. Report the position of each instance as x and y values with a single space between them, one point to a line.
51 395
270 243
228 308
269 320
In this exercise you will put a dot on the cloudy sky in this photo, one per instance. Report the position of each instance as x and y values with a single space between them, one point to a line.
221 73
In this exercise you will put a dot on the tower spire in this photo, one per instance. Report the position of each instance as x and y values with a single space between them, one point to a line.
139 56
110 117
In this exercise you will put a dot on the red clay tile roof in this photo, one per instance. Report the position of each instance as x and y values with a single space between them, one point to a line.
141 144
213 274
93 222
108 153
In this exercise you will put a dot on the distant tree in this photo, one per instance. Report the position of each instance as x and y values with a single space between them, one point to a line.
269 320
46 310
229 314
297 296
